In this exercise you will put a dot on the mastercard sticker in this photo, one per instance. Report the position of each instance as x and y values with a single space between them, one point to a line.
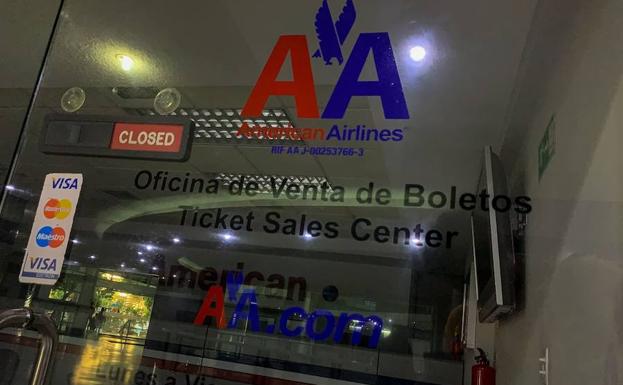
57 208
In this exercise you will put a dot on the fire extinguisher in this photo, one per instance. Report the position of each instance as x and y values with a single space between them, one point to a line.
482 372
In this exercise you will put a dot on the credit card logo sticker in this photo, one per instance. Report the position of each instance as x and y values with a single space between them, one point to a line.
65 183
42 268
57 208
44 255
50 237
40 263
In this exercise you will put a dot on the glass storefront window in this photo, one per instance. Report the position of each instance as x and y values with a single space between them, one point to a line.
319 192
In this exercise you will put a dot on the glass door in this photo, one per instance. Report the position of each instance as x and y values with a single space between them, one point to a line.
271 192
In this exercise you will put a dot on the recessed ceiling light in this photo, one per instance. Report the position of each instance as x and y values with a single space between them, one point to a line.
126 62
417 53
227 237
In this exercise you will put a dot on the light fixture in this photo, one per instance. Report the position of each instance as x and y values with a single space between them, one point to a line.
176 240
142 260
149 247
227 237
154 268
125 62
417 53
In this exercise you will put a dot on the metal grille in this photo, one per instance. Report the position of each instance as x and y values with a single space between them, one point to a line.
220 125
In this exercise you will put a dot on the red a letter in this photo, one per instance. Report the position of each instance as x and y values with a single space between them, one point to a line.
301 86
214 296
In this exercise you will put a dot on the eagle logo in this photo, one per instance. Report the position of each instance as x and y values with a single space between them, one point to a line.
331 35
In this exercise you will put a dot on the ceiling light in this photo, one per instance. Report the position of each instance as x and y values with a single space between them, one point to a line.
126 62
142 260
417 53
176 240
227 237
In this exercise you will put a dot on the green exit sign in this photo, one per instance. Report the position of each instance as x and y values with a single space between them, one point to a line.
547 146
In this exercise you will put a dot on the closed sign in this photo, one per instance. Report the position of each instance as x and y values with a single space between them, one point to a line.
147 137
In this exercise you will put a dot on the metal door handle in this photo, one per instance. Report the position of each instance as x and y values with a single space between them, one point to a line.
27 319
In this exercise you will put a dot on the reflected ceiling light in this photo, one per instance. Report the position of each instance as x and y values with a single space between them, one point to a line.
92 257
307 236
417 53
142 260
75 241
227 237
149 247
10 187
125 62
122 265
176 240
154 268
140 253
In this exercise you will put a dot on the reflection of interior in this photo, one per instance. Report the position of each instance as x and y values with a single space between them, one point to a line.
496 74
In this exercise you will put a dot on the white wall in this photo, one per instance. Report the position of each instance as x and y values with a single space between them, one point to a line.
574 267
